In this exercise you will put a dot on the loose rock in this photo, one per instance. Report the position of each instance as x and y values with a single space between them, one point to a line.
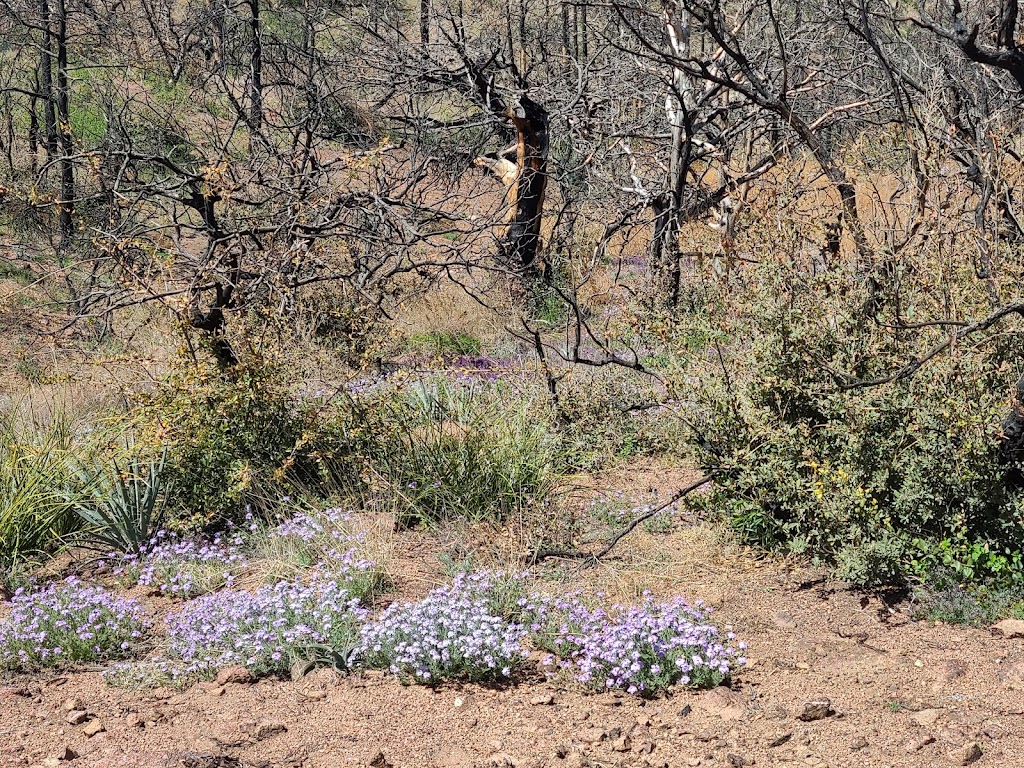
238 675
76 717
70 705
93 727
966 754
815 710
543 700
858 744
1009 628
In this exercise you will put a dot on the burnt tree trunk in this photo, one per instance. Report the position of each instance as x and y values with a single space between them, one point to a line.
255 66
67 167
46 80
521 240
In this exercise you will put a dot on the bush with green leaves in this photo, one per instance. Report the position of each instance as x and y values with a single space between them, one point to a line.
885 483
242 438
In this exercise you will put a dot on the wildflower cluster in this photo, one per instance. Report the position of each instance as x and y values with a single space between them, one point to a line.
453 632
330 539
641 649
264 630
66 623
185 567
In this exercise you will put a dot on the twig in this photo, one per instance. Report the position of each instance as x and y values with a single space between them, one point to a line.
592 558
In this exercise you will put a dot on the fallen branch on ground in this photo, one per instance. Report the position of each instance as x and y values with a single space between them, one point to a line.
591 558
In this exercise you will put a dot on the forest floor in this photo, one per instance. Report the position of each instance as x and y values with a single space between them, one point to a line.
899 692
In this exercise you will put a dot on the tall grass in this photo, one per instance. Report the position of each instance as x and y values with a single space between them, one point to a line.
46 436
469 453
37 482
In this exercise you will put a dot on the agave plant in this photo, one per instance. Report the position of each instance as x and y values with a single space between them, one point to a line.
125 509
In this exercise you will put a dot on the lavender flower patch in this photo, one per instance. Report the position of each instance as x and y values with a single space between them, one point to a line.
561 625
641 650
185 568
264 631
452 633
68 623
331 540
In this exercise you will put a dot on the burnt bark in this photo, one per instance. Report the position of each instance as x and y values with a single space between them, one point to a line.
521 243
63 113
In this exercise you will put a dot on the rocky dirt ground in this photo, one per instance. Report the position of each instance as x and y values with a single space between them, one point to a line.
836 678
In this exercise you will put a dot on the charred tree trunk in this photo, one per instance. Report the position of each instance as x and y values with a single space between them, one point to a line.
522 238
67 168
255 66
664 264
46 79
425 21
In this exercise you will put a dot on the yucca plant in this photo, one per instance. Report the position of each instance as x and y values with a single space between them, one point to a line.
125 509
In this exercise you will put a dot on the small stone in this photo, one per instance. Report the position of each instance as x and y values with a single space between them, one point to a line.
217 690
737 761
50 762
918 744
926 717
70 705
685 711
133 720
237 674
858 744
623 743
576 760
815 710
268 728
379 761
591 735
543 700
315 695
1009 628
967 754
461 702
784 621
66 753
76 716
645 747
93 727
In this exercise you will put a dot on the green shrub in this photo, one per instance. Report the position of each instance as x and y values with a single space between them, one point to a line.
244 439
445 343
884 483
